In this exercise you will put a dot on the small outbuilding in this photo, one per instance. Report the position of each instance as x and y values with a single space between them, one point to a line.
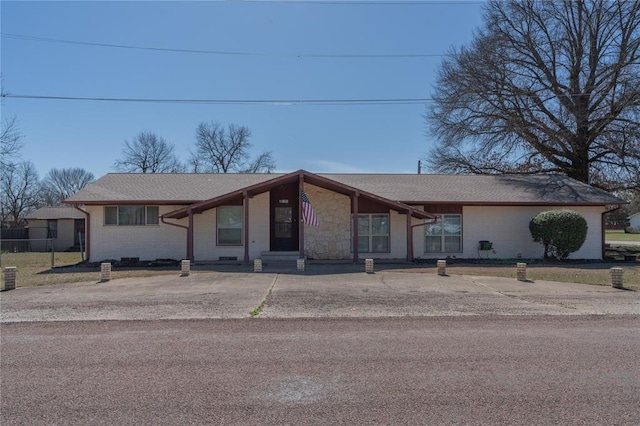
60 228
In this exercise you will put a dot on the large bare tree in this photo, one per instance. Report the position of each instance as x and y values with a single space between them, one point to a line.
545 86
10 135
225 150
19 185
10 141
60 184
148 153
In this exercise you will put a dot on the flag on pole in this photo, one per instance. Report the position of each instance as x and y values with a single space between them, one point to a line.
308 215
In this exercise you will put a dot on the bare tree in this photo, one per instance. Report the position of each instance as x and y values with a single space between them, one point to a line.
10 136
10 140
149 153
224 150
263 163
546 86
19 195
60 184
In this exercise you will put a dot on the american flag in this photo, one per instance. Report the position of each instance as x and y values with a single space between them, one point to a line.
308 215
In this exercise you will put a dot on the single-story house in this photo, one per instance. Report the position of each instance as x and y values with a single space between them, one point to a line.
634 221
59 227
213 217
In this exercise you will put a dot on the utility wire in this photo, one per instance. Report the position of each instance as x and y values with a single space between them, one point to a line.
282 102
221 52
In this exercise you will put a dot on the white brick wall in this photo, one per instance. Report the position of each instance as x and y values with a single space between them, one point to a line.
204 236
205 242
259 232
162 241
397 238
508 229
147 242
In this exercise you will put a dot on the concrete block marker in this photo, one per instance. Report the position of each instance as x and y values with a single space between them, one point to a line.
10 273
257 265
521 271
368 266
105 272
300 265
442 267
186 268
616 277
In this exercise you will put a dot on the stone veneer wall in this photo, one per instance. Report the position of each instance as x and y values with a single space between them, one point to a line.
332 238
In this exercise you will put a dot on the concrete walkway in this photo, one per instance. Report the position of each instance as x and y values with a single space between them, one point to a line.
323 292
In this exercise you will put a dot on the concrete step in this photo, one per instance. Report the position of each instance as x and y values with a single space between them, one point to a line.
280 256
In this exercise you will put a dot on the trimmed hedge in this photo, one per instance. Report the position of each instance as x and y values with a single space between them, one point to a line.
562 232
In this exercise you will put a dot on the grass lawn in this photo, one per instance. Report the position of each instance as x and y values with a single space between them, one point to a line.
590 273
34 269
619 235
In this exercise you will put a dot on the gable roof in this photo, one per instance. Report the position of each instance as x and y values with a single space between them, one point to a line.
50 213
294 177
186 188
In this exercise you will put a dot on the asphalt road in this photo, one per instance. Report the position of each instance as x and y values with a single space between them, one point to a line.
516 370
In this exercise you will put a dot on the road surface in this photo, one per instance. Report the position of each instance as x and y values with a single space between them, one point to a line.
516 370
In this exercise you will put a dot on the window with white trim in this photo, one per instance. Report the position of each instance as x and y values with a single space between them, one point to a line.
229 225
373 233
131 215
445 235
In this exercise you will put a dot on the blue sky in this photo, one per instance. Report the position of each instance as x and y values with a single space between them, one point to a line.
278 34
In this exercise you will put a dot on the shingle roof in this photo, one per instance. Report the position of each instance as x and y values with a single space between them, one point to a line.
45 213
479 189
182 188
406 188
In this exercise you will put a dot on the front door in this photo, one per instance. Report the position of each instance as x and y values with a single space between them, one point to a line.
284 218
283 235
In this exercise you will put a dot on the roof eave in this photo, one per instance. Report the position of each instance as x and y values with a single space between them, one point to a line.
129 202
307 177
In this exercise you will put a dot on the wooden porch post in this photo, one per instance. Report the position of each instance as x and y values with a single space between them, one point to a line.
246 226
300 221
409 238
190 236
354 201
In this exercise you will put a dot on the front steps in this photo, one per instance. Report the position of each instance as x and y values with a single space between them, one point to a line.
280 256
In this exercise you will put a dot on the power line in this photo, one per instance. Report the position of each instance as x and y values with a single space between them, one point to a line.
277 102
221 52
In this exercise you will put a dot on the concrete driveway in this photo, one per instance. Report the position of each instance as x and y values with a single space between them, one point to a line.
324 292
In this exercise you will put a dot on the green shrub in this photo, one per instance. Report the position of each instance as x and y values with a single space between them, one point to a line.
562 232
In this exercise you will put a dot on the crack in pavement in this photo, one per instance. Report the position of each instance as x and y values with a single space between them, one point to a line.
563 305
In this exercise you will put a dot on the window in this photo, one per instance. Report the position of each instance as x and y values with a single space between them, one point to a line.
52 228
229 225
444 236
373 233
131 215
